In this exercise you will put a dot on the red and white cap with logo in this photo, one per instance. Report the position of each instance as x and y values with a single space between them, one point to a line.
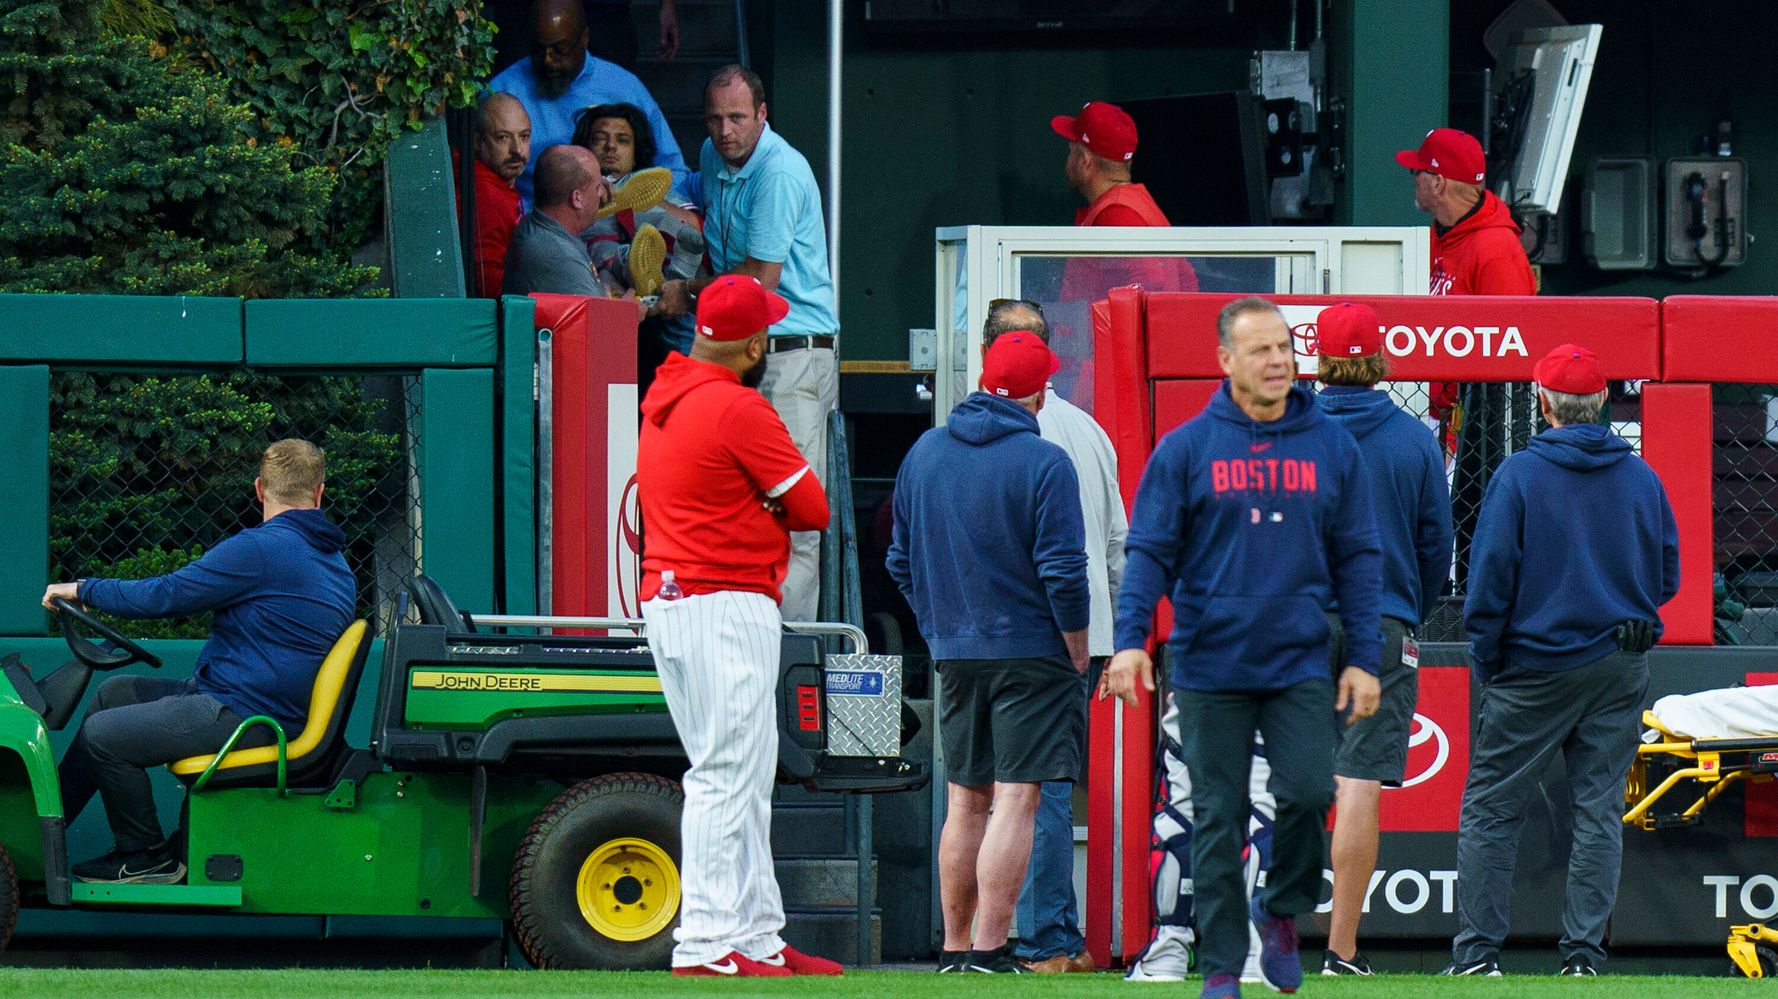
1018 365
734 307
1348 330
1449 152
1105 129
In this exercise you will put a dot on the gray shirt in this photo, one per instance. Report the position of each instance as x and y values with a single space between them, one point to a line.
544 256
1101 508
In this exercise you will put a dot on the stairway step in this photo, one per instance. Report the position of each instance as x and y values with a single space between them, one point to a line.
820 883
808 831
832 935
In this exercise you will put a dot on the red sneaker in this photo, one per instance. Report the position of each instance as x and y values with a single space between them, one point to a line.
733 965
798 963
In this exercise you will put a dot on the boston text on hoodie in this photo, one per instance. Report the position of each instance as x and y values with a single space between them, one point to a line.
988 543
1408 492
1256 527
1574 538
282 594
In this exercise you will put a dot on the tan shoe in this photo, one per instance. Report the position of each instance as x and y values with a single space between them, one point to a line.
640 190
1062 964
648 253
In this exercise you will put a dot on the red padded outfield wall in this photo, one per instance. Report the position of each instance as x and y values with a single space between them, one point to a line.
1156 367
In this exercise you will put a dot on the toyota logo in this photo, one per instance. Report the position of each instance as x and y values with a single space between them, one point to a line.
1308 339
1424 731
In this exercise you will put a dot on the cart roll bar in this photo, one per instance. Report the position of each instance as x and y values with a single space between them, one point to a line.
240 730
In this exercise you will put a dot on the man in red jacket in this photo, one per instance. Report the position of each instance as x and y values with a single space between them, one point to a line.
502 148
721 487
1475 242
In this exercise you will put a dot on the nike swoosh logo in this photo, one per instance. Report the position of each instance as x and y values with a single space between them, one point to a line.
1257 448
126 872
776 960
725 968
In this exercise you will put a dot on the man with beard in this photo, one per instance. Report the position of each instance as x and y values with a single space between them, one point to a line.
502 148
559 79
721 488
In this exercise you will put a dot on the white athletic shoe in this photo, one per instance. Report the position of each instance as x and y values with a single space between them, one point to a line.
1166 959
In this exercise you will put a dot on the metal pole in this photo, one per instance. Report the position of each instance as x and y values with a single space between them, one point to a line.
836 22
545 471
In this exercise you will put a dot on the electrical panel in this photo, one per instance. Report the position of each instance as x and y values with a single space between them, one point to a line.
1705 216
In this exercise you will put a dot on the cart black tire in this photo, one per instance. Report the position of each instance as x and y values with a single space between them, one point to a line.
9 898
549 916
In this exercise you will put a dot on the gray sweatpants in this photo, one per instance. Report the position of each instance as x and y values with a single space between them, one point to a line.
1589 715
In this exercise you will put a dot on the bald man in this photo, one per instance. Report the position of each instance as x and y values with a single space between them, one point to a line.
547 253
559 79
502 148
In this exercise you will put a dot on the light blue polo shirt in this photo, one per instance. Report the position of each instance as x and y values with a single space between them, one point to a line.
553 119
770 210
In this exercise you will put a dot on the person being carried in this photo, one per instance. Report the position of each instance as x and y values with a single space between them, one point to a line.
281 593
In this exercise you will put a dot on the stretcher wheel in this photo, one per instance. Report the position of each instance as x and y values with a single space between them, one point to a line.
1768 961
596 880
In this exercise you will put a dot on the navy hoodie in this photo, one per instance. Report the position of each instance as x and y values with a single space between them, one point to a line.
1408 493
1575 537
282 595
1257 528
989 547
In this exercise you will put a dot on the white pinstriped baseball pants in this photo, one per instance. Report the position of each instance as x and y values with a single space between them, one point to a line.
718 654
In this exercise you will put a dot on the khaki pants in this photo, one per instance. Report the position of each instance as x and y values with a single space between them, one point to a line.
804 387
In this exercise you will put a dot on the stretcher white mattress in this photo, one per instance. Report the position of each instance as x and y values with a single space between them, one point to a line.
1729 713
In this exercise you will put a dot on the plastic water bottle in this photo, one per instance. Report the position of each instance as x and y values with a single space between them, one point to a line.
669 589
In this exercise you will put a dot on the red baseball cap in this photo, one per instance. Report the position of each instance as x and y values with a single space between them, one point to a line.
1018 365
1106 129
1451 153
1349 330
734 307
1570 368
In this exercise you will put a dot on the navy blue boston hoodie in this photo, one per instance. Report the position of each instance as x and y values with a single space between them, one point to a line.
1257 528
1574 538
989 547
1408 493
282 595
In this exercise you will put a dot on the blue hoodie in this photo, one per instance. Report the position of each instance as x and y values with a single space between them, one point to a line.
282 595
1408 493
1256 528
989 546
1574 538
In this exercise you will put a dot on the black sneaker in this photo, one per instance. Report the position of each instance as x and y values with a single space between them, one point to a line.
136 867
952 961
1487 967
994 962
1334 964
1577 966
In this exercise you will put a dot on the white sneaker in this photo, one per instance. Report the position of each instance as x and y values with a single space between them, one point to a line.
1166 959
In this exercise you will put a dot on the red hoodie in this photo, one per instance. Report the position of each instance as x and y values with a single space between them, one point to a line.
712 452
1481 254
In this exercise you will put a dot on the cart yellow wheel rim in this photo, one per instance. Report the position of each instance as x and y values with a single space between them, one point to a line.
628 889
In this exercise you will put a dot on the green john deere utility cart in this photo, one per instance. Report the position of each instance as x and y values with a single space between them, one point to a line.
523 777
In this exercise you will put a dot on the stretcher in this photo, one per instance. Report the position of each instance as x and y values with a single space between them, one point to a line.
1710 740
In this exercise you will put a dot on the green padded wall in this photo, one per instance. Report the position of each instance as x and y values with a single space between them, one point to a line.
371 333
24 495
124 329
420 212
518 455
457 483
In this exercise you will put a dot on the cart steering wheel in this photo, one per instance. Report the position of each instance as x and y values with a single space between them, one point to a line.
88 651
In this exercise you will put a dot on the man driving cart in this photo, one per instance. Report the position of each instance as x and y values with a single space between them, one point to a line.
281 594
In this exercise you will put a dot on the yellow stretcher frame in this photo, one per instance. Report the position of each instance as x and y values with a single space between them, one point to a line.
1716 763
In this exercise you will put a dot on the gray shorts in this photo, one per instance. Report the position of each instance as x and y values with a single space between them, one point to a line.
1377 747
1014 721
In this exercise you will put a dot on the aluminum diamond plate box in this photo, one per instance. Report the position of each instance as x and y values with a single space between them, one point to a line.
863 705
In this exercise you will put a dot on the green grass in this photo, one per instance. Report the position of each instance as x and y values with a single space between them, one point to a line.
55 983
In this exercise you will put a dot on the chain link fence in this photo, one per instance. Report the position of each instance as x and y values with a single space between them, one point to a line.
1745 461
148 472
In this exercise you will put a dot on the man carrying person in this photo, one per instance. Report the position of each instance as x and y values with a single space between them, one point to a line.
721 486
1256 515
282 595
763 219
1406 473
1560 647
1049 924
559 79
988 548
